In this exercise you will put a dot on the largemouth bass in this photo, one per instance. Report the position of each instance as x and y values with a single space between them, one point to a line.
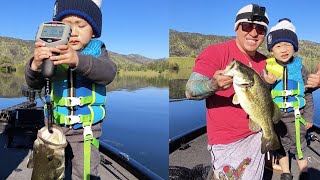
48 156
255 98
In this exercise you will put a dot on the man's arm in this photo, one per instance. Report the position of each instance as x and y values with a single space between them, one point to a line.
200 87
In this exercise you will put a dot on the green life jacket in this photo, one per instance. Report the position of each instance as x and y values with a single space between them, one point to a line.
290 86
76 99
79 102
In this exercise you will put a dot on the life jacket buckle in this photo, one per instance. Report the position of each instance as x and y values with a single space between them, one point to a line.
288 104
288 92
297 113
72 119
73 101
87 131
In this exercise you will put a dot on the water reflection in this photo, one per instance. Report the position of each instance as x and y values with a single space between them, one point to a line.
177 88
11 83
137 82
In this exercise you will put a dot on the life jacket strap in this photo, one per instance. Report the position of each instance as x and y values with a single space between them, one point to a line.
72 101
298 119
88 140
71 119
281 93
283 105
87 133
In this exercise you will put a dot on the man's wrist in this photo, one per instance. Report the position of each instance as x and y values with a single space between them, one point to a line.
212 85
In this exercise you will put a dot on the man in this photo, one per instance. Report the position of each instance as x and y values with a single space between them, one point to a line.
235 150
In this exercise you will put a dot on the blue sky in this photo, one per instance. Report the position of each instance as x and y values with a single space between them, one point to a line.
141 26
217 16
129 26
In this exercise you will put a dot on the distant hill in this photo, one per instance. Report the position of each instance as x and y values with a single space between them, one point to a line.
186 44
18 52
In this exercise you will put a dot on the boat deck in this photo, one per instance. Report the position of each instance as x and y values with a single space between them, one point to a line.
192 161
14 159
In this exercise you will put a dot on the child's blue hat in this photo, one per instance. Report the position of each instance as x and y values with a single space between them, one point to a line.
87 9
284 31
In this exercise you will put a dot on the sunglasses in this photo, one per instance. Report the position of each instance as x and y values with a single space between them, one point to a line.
248 27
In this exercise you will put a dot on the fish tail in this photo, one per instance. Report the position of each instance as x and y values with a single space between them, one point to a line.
270 144
30 160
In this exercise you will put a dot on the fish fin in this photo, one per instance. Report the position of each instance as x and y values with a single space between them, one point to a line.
253 126
30 161
276 113
235 99
270 144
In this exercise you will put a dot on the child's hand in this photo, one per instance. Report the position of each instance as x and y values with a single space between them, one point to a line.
67 56
40 53
269 77
308 125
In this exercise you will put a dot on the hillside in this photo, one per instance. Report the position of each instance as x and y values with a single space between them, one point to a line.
17 52
185 44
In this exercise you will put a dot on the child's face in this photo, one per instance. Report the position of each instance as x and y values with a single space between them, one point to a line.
283 51
81 32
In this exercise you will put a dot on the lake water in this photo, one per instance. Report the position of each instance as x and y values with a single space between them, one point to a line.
137 117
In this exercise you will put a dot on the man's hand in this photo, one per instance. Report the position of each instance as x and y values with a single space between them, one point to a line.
40 53
308 125
314 79
67 56
220 81
269 77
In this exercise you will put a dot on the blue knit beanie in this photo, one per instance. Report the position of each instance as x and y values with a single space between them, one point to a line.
87 9
284 31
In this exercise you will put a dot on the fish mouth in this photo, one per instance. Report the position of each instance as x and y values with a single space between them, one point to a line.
244 85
